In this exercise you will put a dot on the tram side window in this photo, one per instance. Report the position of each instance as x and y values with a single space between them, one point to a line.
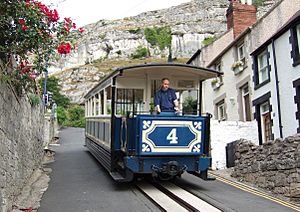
102 102
108 100
90 127
97 104
129 100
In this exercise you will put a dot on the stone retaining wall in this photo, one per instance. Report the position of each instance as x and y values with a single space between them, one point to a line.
21 143
274 166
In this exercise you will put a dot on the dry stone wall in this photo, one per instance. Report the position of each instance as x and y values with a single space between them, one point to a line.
274 166
21 143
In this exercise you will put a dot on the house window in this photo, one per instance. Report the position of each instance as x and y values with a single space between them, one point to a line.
218 81
261 69
221 111
262 60
246 103
266 122
241 53
218 67
296 85
295 41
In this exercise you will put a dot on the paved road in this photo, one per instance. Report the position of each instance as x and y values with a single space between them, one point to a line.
227 197
79 184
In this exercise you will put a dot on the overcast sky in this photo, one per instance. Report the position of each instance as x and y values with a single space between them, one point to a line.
90 11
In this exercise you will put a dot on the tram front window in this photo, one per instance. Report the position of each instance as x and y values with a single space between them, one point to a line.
188 101
129 100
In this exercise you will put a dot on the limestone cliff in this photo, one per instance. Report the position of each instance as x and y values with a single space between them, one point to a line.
117 40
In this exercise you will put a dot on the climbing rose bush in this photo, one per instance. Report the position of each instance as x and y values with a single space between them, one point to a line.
31 35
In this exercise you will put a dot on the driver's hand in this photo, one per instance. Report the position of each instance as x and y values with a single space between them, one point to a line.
158 109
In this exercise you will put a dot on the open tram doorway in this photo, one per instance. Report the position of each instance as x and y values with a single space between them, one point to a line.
187 93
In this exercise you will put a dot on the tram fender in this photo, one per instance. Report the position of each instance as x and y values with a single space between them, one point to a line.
132 163
204 163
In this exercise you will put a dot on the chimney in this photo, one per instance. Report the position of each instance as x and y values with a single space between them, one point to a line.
241 14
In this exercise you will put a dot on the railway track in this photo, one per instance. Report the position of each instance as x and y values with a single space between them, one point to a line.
170 197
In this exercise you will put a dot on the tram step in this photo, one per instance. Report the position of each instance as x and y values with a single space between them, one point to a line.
117 176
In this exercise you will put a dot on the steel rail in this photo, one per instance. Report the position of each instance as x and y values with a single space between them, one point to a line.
160 192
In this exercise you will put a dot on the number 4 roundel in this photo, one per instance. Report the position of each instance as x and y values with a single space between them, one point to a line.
172 136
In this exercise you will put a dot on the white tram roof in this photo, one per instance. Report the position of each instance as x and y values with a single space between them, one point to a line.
161 69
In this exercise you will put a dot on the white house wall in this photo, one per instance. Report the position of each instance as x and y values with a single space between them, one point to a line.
229 87
286 75
226 132
272 21
270 87
209 52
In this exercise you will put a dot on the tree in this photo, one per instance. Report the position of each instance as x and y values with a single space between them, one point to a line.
53 86
160 37
61 115
76 116
30 35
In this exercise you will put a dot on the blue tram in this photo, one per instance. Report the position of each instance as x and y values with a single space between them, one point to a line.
129 139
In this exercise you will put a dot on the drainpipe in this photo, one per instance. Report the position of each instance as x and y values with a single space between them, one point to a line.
277 89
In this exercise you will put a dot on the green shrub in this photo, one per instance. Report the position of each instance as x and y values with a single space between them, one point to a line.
34 99
140 53
258 3
160 37
208 40
76 116
61 115
135 31
189 105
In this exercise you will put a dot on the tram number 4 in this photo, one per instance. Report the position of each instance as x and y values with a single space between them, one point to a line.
172 137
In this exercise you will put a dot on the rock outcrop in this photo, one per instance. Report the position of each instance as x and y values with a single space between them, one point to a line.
190 23
118 39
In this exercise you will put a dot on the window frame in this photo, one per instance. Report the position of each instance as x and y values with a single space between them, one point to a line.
219 105
219 79
218 66
296 86
243 95
238 47
295 42
257 83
